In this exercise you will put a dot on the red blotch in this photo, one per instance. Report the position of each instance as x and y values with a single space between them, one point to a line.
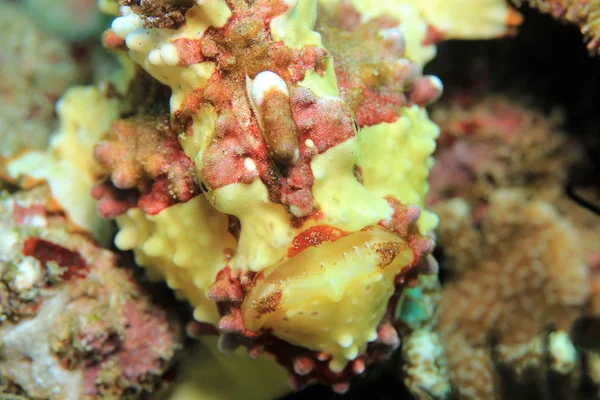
404 222
327 123
233 322
314 236
45 251
188 51
379 106
158 197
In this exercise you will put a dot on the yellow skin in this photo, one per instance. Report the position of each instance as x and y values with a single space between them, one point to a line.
324 291
337 273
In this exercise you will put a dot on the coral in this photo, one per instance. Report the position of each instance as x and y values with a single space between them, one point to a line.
583 13
493 142
586 223
36 68
551 351
423 360
75 325
499 165
519 271
424 365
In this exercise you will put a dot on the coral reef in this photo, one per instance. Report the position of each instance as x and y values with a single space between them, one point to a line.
491 142
269 161
423 368
522 272
517 252
36 68
74 324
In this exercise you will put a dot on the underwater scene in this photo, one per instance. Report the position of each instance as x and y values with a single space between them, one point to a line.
300 199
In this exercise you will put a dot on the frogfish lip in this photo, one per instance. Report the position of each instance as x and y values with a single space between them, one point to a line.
330 297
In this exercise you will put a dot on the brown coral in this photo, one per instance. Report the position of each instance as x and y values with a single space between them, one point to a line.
528 274
75 325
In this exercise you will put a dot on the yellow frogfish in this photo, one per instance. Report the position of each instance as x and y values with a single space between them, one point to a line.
283 193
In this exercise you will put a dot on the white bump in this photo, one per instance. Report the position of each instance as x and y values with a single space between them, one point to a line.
263 82
181 259
372 336
136 40
346 341
336 365
168 53
351 353
154 246
154 57
249 164
124 10
125 240
297 212
123 26
309 143
436 82
394 37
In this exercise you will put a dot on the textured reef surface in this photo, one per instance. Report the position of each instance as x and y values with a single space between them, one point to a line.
225 199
